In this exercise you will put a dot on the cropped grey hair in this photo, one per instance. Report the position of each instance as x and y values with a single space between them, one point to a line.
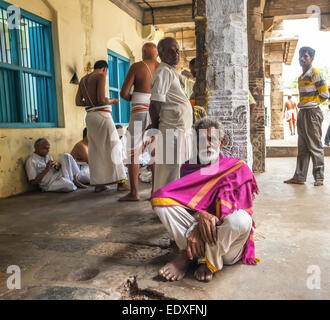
206 123
161 43
40 141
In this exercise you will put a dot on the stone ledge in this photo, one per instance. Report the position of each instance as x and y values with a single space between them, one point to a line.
288 151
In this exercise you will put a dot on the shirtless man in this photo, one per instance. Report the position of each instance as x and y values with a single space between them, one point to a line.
290 112
80 154
105 162
139 76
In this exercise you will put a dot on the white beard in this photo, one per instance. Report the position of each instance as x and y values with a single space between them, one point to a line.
206 158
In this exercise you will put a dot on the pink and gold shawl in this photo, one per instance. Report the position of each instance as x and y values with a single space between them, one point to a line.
228 185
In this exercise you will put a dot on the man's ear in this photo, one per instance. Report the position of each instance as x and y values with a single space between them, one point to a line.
222 143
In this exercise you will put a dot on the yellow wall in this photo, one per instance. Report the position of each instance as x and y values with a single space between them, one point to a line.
83 30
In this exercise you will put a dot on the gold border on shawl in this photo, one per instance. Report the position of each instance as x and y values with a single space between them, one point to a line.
165 202
227 204
209 185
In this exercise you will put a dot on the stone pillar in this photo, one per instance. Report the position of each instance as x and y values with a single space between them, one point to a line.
256 82
276 101
222 57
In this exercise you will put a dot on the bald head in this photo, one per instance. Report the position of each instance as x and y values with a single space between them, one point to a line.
41 147
149 51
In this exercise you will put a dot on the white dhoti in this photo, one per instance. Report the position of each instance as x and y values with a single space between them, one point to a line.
249 154
63 180
290 115
139 121
145 175
84 175
172 150
56 181
104 149
232 234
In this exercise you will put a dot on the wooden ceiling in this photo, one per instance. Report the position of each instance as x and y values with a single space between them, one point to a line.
157 12
162 4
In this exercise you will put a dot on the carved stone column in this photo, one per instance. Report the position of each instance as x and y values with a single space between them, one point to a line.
222 57
276 101
256 82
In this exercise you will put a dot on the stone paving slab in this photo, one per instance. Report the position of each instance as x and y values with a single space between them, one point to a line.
84 245
62 293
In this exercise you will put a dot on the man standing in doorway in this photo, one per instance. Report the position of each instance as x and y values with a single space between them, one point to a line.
105 161
312 91
139 76
171 113
290 112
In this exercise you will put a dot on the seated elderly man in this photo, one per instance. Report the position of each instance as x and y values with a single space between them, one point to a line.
80 154
40 168
208 210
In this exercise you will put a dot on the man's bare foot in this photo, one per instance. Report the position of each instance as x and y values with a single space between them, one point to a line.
100 188
294 181
123 187
176 269
78 183
203 273
130 197
318 183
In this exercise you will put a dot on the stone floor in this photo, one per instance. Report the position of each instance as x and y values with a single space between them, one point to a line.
290 141
89 246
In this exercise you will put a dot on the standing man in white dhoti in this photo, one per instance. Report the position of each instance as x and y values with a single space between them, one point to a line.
139 76
40 169
290 112
80 154
105 161
171 113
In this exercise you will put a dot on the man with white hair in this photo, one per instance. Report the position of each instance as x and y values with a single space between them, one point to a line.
171 113
208 211
42 170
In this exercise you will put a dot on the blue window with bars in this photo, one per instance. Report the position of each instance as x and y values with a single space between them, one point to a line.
118 68
27 79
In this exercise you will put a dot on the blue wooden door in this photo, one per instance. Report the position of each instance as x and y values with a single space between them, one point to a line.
118 68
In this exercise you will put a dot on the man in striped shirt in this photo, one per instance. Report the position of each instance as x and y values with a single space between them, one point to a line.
312 91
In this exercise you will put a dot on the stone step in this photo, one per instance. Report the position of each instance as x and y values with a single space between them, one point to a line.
288 151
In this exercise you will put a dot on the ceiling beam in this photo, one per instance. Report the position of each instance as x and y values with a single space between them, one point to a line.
188 53
131 8
299 9
166 15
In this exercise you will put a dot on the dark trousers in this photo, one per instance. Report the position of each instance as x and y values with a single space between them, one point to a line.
327 137
309 127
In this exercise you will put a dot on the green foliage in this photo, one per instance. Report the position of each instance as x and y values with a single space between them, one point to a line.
293 84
